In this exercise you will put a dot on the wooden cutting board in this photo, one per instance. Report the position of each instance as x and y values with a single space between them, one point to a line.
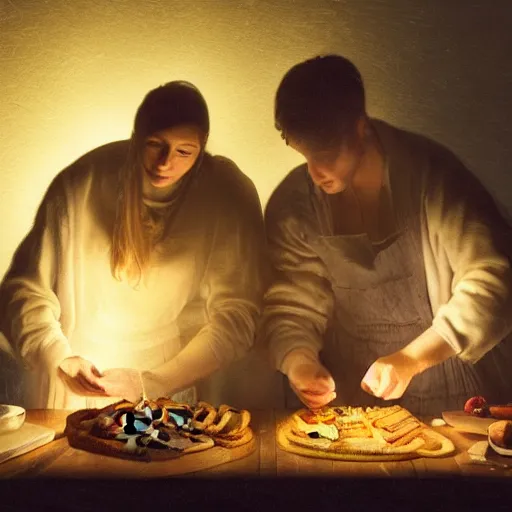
467 423
91 465
28 437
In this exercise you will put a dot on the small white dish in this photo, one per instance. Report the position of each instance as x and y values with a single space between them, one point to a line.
12 418
499 450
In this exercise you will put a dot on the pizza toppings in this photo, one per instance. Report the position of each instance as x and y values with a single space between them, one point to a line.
317 430
372 433
164 425
325 415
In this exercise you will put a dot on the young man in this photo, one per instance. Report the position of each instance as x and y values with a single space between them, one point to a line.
392 270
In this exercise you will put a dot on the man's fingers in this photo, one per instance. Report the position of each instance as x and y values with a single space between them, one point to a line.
370 381
365 387
316 386
313 401
387 382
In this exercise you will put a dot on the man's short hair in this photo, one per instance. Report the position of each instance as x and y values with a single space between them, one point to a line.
319 101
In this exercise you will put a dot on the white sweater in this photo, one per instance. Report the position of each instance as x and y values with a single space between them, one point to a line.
205 279
466 251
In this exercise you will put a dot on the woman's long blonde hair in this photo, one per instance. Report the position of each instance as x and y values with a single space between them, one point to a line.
173 104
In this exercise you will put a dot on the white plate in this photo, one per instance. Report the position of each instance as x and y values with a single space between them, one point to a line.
12 418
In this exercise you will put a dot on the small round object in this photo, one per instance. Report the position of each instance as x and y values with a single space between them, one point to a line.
12 418
476 405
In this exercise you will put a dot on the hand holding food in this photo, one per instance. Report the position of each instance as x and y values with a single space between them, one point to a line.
81 376
389 376
313 384
309 379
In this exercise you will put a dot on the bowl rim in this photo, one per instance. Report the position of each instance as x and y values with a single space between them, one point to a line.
12 411
498 449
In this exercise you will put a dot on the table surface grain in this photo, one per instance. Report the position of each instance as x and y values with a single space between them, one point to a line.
267 460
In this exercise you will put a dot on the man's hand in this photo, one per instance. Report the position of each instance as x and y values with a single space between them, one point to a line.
309 379
122 382
388 377
81 376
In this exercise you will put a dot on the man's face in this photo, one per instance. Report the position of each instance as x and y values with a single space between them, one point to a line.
332 170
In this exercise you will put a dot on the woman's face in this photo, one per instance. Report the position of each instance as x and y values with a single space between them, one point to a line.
169 154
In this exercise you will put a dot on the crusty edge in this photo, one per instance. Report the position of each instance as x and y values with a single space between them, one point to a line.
210 417
233 441
283 430
217 427
447 447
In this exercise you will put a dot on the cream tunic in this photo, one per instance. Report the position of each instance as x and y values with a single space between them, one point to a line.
205 278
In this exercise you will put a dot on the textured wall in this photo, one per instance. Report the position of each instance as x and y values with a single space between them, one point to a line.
73 73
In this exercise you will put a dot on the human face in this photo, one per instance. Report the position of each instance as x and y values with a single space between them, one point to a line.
333 170
169 154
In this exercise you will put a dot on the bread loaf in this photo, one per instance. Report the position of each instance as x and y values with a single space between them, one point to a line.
500 433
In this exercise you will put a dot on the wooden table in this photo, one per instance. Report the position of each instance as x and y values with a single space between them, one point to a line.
51 478
58 459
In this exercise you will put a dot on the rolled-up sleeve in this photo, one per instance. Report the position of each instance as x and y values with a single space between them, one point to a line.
472 241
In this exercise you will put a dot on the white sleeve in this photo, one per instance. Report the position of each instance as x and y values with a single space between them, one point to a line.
29 307
299 301
472 242
233 285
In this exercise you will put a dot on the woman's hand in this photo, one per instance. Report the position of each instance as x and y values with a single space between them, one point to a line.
309 379
124 383
81 376
388 377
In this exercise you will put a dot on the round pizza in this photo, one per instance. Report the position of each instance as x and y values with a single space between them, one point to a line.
357 433
157 430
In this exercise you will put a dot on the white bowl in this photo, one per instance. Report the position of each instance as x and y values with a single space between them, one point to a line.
507 452
498 449
12 418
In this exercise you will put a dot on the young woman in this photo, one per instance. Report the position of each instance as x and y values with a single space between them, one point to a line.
142 273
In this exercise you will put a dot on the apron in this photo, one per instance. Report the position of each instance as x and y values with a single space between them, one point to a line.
381 304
